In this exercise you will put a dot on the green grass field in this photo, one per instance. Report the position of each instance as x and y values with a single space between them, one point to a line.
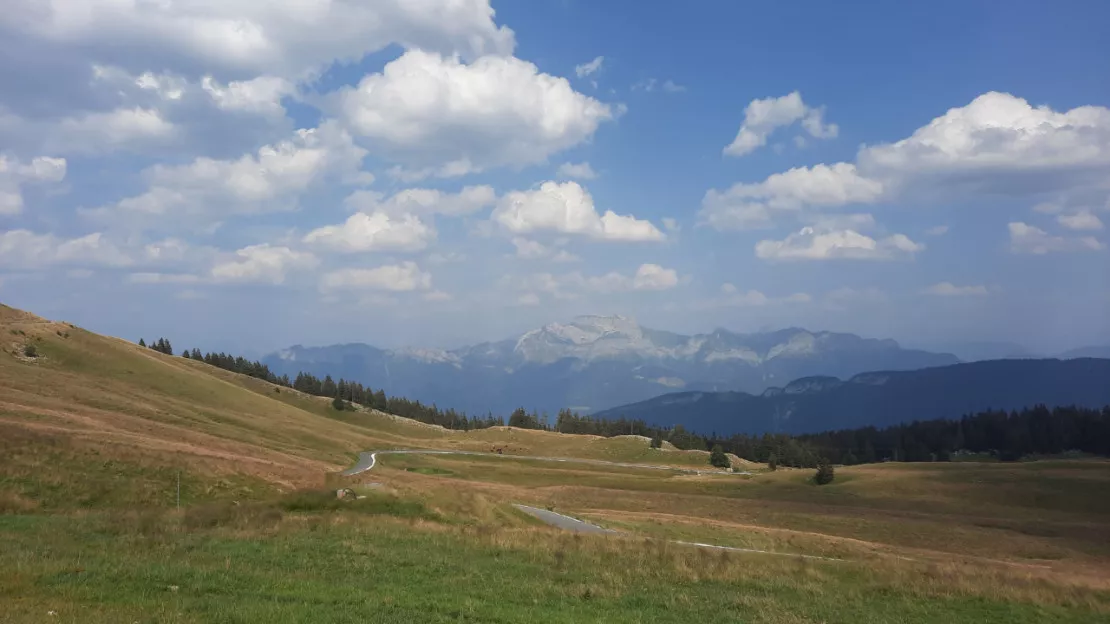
96 432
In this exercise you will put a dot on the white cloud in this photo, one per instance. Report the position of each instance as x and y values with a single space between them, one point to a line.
436 295
842 298
580 171
568 208
425 201
648 277
671 225
1026 238
747 206
262 263
588 69
260 95
268 181
282 37
14 174
1082 220
163 278
732 297
948 289
528 300
763 117
527 249
937 230
671 87
405 276
23 250
123 128
651 84
998 144
811 244
654 277
377 231
442 117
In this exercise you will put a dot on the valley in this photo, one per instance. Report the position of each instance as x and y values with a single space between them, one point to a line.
97 432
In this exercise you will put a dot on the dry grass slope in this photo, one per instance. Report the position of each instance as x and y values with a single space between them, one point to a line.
95 432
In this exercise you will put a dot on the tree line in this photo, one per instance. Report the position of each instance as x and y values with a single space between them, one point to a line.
1005 435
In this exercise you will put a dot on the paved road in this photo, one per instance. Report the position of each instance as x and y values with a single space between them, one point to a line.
368 459
563 522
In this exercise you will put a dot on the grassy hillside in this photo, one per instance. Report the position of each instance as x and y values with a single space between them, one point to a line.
95 431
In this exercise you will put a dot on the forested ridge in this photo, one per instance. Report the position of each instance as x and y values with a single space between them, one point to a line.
1005 435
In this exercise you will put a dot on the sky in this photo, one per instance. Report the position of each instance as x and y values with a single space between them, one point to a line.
245 175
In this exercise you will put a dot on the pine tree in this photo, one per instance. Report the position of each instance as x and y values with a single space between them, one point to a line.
773 462
185 354
657 440
824 474
718 458
142 343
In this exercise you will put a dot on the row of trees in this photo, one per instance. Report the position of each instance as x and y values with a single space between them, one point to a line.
161 345
1007 435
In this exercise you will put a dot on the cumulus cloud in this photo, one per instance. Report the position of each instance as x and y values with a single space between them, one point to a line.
948 289
24 250
648 277
424 201
267 181
283 37
123 128
14 174
377 231
405 276
651 84
654 277
588 69
763 117
580 171
1082 220
843 298
812 244
261 95
997 145
262 263
732 297
749 206
1028 239
440 116
569 209
527 249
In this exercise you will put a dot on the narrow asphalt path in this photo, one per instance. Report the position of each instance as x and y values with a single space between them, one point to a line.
368 459
563 522
568 523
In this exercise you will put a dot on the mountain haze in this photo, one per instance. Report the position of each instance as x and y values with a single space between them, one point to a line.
814 404
595 362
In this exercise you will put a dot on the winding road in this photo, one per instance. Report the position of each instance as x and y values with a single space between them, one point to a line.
368 459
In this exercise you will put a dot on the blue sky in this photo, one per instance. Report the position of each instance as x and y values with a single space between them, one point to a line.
248 175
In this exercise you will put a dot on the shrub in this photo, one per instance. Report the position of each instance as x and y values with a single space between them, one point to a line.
824 473
718 458
657 441
773 462
339 404
30 351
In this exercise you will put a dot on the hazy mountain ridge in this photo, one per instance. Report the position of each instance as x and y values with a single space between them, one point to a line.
882 398
596 362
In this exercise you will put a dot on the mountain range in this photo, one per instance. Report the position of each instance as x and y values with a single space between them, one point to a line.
814 404
597 362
